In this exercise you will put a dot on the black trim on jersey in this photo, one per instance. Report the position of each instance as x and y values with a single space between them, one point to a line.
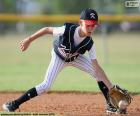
65 48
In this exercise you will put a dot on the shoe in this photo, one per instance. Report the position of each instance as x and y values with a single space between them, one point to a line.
110 109
122 111
10 106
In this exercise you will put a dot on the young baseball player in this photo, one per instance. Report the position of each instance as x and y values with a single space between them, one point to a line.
70 43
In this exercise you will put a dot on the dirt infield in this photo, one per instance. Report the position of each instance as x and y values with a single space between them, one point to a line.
69 104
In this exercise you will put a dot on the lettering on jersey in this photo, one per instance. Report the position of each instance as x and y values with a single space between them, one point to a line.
62 50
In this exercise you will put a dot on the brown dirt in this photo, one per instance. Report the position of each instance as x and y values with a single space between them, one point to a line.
69 104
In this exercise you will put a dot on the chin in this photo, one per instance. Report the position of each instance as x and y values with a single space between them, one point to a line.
88 34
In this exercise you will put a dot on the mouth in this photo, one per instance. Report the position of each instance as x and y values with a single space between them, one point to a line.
89 32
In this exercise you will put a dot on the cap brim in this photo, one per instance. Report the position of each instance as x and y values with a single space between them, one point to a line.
90 22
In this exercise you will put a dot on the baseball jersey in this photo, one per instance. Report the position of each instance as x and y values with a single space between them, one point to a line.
81 43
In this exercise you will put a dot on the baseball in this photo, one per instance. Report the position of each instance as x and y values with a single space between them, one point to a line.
123 104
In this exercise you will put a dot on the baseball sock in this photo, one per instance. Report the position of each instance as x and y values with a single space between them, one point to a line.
26 96
104 89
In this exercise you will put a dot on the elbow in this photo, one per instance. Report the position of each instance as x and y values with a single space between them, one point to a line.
48 30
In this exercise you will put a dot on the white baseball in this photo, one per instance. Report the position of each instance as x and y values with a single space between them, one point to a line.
123 104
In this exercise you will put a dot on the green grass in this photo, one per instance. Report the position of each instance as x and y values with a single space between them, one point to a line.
21 71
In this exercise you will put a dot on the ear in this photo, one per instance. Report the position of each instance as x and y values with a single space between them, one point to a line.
80 22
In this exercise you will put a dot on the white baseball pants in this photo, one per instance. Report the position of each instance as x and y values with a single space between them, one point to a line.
57 64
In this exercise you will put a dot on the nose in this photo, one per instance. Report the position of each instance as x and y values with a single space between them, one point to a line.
91 28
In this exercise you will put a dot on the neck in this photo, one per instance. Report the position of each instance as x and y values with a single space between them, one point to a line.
81 33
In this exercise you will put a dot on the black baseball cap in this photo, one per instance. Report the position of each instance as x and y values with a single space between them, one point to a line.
89 16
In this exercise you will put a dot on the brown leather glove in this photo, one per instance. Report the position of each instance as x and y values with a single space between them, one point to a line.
116 94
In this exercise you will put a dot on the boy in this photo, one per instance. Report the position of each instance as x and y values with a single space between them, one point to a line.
70 44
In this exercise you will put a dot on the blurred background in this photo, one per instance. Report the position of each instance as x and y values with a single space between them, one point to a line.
61 7
117 42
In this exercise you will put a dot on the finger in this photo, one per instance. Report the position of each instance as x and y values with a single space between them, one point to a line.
21 42
22 48
21 45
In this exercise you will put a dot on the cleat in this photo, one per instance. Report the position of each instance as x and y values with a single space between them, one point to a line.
122 111
110 109
10 106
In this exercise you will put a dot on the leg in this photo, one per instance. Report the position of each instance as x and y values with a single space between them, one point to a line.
104 89
84 64
13 105
56 65
54 68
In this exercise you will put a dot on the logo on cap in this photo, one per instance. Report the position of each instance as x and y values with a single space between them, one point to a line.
92 15
89 14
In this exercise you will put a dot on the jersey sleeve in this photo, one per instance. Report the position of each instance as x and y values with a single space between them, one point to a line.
58 31
92 52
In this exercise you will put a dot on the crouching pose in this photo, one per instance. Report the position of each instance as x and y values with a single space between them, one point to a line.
70 43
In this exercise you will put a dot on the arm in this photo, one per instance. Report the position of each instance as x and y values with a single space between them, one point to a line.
24 44
101 74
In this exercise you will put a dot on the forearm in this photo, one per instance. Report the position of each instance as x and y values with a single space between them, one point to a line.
41 32
100 74
24 44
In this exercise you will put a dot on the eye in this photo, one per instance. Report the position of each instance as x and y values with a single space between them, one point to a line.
92 26
88 25
95 26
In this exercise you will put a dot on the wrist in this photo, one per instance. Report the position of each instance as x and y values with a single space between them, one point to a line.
29 39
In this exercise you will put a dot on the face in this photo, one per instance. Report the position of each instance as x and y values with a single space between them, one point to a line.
87 29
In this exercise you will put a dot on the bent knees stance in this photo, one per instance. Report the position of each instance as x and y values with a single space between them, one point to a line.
42 87
85 64
55 66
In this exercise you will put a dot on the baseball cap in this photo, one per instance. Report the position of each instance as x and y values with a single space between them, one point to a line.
89 16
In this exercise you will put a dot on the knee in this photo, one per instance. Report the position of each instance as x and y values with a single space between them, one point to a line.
44 86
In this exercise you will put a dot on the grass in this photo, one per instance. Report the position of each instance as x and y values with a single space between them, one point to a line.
21 71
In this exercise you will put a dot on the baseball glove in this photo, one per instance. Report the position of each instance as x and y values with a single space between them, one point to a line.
116 94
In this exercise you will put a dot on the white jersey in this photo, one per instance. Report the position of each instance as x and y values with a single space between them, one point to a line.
82 62
58 31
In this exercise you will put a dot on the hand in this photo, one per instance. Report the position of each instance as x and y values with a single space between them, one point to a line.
24 44
116 94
